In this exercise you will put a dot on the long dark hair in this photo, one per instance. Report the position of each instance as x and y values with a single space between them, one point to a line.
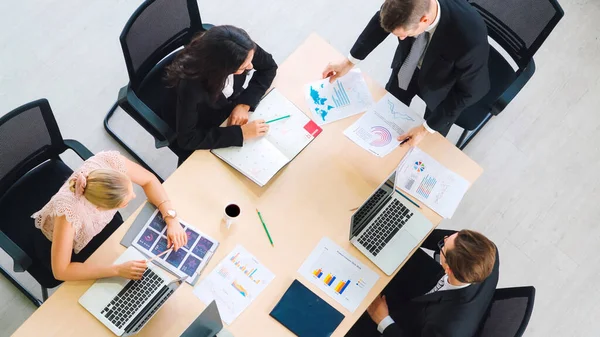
211 57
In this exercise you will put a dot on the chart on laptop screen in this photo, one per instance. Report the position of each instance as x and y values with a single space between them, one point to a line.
188 260
339 274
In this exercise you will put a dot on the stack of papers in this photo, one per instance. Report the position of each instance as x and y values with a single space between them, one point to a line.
378 129
345 97
430 182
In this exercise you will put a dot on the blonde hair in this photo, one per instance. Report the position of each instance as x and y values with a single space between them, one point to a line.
105 188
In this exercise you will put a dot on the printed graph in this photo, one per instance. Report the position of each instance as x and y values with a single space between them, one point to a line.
240 288
329 281
419 166
340 96
383 136
398 114
426 186
341 286
244 268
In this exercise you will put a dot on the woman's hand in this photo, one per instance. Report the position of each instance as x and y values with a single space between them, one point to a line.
132 270
255 129
176 236
239 115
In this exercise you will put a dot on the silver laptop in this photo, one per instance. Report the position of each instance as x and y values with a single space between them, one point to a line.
387 227
208 324
125 306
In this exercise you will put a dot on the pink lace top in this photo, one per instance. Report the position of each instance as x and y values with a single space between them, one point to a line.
85 218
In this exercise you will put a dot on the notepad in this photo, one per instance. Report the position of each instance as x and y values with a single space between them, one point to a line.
305 314
260 159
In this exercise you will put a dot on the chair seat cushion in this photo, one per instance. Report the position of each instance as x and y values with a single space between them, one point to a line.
27 196
502 76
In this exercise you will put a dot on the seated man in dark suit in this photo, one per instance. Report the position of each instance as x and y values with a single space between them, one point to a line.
431 299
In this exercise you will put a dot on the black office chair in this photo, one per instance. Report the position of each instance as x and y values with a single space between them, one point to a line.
509 313
519 27
31 172
154 31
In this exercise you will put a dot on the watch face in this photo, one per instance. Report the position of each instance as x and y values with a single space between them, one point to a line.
172 213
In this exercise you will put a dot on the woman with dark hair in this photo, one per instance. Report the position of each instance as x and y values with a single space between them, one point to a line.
212 81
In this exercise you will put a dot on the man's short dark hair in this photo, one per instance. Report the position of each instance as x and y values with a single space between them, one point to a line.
472 258
402 13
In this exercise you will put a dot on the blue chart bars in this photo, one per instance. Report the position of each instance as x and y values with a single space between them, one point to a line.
340 97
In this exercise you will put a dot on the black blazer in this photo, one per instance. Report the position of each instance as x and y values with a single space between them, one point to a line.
454 73
197 120
448 313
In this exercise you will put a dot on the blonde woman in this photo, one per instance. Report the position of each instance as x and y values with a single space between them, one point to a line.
84 213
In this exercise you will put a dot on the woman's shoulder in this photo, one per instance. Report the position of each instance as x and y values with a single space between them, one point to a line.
105 159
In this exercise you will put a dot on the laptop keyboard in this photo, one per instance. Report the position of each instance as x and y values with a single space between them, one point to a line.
364 210
131 297
383 229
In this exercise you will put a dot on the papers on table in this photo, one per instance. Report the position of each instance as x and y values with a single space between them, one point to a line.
261 158
378 129
339 274
347 96
188 260
430 182
234 283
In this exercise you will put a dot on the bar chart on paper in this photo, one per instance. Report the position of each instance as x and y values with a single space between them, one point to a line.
338 274
234 283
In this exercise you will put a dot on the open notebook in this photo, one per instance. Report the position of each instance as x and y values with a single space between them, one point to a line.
261 158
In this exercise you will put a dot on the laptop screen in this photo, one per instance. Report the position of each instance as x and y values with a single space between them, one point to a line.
360 219
208 324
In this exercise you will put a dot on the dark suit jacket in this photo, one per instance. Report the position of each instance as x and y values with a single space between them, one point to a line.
454 73
448 313
197 120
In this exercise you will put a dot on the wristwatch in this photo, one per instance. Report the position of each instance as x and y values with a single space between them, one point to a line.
170 214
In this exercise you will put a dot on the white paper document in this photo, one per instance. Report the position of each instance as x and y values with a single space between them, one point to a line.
347 96
378 129
339 274
189 260
234 283
430 182
261 158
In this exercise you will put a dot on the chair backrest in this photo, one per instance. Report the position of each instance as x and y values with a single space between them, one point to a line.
509 313
519 26
157 28
29 136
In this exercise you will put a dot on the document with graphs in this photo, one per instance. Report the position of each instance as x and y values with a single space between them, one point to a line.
378 129
430 182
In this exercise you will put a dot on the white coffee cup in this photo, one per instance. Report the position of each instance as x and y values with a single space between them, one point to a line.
231 213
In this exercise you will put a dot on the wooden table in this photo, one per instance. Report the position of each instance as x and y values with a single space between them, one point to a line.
307 200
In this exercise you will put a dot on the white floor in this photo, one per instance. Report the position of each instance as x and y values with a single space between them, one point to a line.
537 198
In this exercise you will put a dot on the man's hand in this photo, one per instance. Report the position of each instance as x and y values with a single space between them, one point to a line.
335 70
378 310
239 115
176 236
414 136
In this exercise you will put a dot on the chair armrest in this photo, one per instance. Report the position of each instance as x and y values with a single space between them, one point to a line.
78 148
512 91
22 261
147 118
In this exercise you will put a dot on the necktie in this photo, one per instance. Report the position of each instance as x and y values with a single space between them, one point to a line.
438 286
412 60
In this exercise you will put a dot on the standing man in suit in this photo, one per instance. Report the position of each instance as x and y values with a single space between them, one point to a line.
442 56
431 299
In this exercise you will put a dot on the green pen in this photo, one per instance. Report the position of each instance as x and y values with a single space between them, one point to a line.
265 227
276 119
